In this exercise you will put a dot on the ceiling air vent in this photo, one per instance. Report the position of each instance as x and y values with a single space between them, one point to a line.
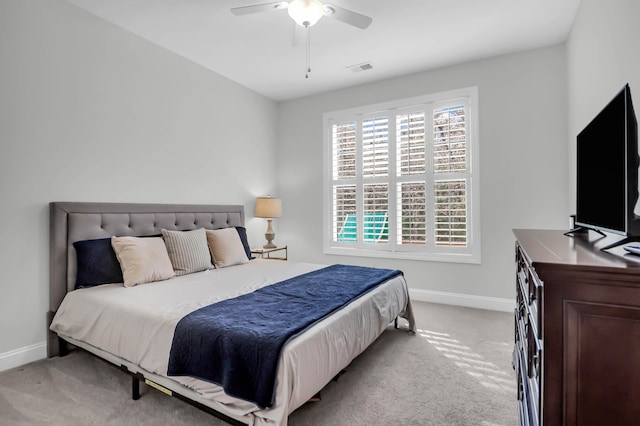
365 66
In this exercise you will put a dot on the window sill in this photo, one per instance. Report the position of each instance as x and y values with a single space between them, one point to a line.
427 257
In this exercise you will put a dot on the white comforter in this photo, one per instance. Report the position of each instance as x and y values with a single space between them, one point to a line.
137 325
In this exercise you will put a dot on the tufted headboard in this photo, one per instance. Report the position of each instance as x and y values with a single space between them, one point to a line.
73 221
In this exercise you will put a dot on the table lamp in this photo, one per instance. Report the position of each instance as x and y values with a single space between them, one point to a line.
268 208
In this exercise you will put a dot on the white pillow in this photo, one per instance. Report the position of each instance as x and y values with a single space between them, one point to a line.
188 250
226 247
142 260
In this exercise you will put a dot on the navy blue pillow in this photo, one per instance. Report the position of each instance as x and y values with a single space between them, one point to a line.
97 263
243 237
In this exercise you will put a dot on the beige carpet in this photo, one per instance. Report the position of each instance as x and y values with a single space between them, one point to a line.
455 371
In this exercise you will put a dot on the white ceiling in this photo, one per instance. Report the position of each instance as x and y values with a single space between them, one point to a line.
258 51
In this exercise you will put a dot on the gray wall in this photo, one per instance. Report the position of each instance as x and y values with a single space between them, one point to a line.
523 158
90 112
602 55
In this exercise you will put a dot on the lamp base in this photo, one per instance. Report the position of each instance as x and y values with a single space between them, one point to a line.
269 236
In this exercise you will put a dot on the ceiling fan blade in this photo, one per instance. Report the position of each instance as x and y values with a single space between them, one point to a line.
347 16
257 8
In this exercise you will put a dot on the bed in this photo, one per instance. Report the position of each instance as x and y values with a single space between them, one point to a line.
135 327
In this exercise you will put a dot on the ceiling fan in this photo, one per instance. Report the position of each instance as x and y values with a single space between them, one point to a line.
307 12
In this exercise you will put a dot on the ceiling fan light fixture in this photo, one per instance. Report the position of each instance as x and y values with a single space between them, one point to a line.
305 12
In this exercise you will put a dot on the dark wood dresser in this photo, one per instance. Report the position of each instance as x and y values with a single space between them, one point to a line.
577 330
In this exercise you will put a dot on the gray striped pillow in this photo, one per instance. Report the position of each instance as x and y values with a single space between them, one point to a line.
188 250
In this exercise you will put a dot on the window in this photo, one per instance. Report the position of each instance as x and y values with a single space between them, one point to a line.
401 179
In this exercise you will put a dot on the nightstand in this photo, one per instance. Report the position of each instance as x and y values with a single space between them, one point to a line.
265 253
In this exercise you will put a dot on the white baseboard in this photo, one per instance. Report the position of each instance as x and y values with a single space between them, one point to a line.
467 300
23 356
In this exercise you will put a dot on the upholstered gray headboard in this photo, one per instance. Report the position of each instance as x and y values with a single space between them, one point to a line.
73 221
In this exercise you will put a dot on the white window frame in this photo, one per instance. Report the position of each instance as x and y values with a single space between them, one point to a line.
429 252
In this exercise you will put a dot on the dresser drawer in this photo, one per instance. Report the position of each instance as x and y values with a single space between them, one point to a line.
528 340
535 301
530 289
532 397
527 400
534 355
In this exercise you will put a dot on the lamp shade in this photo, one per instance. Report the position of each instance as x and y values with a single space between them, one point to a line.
305 12
268 207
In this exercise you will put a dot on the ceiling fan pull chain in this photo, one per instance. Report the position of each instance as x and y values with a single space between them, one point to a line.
308 63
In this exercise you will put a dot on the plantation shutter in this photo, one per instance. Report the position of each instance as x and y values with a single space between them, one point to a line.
344 188
375 189
375 147
401 180
344 151
412 169
450 179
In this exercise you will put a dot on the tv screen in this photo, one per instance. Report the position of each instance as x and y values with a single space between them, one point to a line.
607 169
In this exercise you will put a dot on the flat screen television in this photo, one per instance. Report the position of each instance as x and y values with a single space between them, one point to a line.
607 171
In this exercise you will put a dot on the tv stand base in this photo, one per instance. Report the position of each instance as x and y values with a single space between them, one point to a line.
583 230
621 242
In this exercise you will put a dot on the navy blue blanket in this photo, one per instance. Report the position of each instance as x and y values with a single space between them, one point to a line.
236 343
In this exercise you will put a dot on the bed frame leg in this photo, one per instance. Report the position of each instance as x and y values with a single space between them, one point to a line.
63 347
135 382
135 388
56 346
